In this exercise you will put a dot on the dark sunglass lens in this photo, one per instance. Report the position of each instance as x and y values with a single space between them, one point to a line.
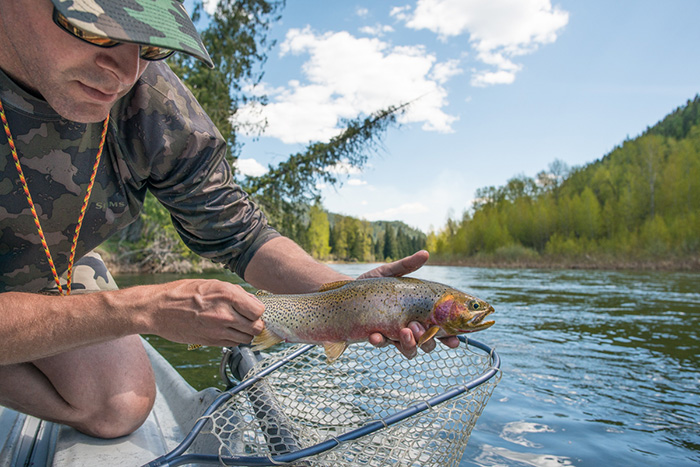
155 53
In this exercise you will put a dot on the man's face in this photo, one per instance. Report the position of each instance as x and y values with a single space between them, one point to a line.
79 80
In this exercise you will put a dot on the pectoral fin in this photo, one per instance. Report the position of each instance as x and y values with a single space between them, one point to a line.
193 346
334 350
265 340
429 334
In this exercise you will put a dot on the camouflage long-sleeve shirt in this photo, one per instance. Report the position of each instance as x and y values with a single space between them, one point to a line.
159 139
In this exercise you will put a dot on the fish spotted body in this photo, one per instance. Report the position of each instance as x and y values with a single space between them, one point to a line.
349 311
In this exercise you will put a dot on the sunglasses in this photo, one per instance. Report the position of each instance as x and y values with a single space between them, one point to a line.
146 52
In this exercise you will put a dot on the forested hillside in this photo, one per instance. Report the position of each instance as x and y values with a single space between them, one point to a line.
638 205
335 237
155 246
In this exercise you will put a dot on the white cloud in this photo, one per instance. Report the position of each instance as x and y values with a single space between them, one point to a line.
402 13
356 182
499 30
250 167
347 76
377 30
210 6
398 212
420 207
442 72
485 78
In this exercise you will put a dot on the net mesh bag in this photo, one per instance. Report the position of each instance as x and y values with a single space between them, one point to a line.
309 401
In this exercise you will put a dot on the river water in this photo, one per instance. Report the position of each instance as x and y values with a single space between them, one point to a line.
598 367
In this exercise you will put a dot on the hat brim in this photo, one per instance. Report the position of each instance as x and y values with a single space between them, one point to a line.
159 23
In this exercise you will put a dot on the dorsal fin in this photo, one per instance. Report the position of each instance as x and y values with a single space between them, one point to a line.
334 285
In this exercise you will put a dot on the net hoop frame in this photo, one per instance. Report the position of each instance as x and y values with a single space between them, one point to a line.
178 457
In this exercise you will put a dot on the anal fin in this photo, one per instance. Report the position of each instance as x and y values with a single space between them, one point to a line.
334 350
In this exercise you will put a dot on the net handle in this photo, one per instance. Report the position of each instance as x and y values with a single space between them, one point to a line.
176 457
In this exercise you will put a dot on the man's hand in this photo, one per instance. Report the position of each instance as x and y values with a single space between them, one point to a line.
399 268
207 312
409 336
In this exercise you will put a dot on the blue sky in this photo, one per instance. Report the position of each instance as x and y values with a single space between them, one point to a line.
501 88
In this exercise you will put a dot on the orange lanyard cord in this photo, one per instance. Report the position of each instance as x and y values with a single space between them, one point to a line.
25 187
103 137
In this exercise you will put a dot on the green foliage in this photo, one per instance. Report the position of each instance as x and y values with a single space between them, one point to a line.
318 233
639 202
678 124
152 243
352 239
236 38
391 249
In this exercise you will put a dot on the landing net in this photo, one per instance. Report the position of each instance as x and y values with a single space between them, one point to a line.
372 407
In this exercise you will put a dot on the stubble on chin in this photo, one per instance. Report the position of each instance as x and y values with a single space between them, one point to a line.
74 100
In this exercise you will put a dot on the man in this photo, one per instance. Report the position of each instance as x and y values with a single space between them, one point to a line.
80 78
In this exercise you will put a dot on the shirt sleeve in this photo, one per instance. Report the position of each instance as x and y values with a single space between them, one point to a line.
180 156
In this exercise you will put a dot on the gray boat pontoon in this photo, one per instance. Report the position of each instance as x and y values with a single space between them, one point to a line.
371 407
27 441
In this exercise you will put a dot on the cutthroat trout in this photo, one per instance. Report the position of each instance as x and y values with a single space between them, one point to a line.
349 311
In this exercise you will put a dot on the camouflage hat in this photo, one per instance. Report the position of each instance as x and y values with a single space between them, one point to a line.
160 23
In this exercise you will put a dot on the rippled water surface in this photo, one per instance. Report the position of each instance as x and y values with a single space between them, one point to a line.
598 367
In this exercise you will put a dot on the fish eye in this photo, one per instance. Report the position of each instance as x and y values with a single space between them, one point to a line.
475 305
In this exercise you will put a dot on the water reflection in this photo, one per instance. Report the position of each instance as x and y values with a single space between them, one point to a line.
514 432
497 456
608 361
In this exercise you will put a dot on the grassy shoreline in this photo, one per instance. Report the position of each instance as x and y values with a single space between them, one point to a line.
690 264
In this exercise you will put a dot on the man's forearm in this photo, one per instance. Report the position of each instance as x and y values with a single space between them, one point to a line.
200 311
282 266
34 326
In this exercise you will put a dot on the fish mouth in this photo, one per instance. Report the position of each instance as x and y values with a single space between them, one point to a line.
477 323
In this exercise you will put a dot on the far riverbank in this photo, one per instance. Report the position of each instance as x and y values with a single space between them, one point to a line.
691 264
688 264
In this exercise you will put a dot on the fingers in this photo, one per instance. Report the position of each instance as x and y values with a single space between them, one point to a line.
246 304
407 343
232 337
451 341
208 312
418 331
246 312
411 263
408 340
399 268
240 326
378 340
